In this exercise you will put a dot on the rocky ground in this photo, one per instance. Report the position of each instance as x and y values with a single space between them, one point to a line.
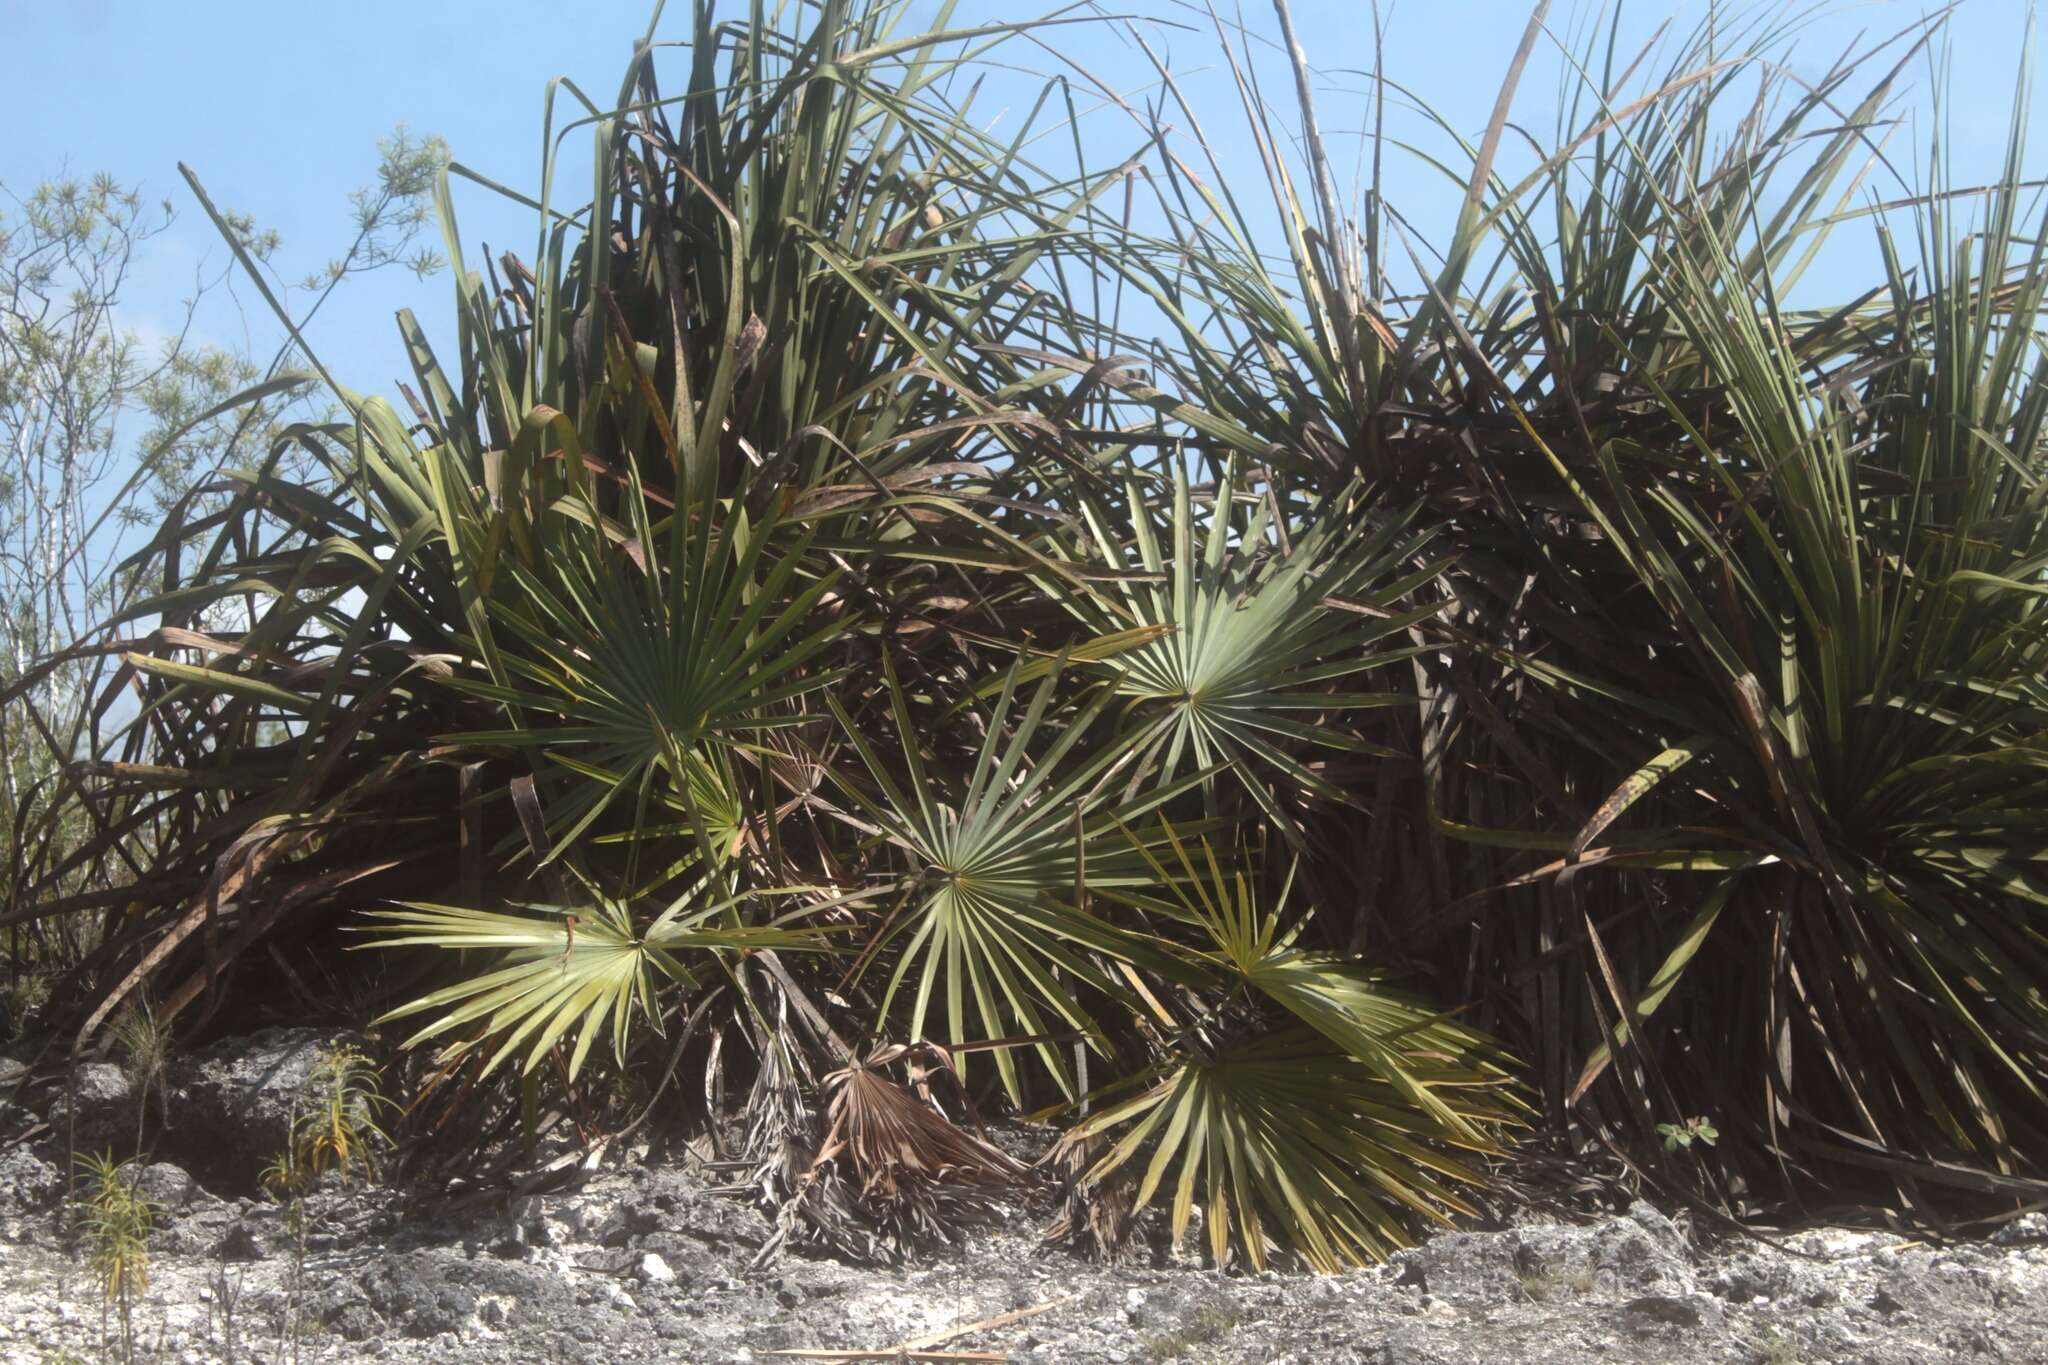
648 1264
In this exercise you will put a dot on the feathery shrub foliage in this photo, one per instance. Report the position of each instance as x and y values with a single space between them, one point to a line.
796 639
115 1218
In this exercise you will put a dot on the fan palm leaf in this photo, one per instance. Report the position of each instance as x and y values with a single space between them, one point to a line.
592 969
1333 1126
1281 1137
638 668
982 928
1259 628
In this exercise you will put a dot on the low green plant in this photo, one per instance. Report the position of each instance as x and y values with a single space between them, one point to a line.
223 1307
1775 1348
334 1127
334 1123
1681 1136
286 1177
116 1218
292 1328
143 1043
1314 1106
1206 1326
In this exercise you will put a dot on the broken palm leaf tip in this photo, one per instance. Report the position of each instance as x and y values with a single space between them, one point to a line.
1540 687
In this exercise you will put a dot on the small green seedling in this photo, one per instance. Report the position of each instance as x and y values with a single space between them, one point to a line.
116 1219
1683 1135
334 1123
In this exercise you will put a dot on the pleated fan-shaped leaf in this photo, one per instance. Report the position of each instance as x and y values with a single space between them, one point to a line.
1282 1138
590 970
1264 627
988 946
637 669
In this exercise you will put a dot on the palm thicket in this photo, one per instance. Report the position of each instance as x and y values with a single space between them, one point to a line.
796 643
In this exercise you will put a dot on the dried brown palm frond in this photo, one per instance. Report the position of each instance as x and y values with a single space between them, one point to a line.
891 1171
897 1140
1094 1216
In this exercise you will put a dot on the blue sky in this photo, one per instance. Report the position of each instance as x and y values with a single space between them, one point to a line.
279 106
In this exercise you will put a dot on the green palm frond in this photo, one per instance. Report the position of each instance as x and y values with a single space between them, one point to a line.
982 923
592 969
1263 626
1327 1131
635 670
1401 1044
712 808
1281 1138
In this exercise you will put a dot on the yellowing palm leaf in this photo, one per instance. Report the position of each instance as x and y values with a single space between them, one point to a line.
588 970
1281 1137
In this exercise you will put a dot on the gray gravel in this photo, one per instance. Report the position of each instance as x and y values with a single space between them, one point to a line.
649 1265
